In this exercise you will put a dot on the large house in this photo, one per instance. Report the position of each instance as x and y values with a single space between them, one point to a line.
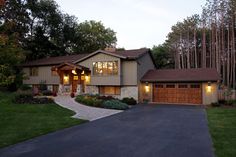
129 73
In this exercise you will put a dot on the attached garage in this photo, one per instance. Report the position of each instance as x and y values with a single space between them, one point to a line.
180 86
187 93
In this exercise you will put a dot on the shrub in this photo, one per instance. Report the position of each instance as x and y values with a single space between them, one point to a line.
115 104
222 102
23 97
72 95
231 102
215 104
104 98
42 86
54 94
129 101
47 92
89 100
25 87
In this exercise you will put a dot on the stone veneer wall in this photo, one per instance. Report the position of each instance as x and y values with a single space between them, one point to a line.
91 90
129 91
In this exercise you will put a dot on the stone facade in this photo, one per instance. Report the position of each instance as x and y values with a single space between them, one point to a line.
91 90
129 91
64 88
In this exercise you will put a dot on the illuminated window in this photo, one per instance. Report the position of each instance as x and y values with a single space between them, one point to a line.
109 90
34 71
66 79
105 68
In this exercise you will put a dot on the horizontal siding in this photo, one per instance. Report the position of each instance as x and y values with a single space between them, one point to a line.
129 73
102 80
44 74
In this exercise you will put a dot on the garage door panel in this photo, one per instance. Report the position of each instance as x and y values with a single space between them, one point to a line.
179 93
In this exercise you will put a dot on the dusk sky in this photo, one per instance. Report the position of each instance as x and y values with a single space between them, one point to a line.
138 23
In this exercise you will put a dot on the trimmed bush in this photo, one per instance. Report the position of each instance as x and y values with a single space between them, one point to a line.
89 100
27 98
129 101
115 104
231 102
23 97
47 92
104 98
222 102
215 104
25 87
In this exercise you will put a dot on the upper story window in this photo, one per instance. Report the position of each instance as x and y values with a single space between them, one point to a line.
105 68
34 71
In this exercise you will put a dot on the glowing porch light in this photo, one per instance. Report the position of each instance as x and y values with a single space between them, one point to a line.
66 79
209 87
74 72
82 72
147 88
87 79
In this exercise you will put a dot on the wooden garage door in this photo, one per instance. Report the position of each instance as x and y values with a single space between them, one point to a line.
177 93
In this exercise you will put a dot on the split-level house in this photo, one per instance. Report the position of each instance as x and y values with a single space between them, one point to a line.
128 73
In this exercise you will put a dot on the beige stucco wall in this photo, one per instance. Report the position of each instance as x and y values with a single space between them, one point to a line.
44 74
129 73
145 63
102 80
209 97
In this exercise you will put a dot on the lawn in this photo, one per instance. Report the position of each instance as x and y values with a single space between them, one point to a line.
222 124
19 122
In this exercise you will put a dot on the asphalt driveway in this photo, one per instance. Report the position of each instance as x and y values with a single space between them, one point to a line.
143 131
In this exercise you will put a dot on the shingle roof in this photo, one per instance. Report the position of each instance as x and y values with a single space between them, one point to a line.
126 54
54 60
182 75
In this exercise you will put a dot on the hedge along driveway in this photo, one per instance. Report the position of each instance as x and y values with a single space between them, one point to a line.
82 111
19 122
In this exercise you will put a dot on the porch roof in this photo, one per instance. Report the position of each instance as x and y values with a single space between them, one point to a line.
69 66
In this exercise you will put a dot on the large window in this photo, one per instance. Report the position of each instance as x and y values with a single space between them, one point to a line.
109 90
34 71
105 68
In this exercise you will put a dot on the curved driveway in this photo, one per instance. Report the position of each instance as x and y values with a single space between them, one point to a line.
143 131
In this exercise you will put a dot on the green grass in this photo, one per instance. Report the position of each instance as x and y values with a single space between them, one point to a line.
222 124
19 122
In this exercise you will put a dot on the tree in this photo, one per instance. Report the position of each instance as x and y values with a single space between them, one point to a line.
162 57
10 57
92 35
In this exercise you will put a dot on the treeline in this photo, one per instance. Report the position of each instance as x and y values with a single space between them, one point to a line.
206 40
34 29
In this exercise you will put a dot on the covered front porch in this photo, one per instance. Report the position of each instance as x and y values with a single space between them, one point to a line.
73 78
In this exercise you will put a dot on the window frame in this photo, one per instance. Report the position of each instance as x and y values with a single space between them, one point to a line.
34 71
105 68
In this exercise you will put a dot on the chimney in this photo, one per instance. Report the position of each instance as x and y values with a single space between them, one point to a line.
110 49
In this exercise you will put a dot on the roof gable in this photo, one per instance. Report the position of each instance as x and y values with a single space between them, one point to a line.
126 54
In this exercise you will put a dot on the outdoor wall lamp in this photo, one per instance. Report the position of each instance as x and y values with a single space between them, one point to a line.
209 87
74 72
147 88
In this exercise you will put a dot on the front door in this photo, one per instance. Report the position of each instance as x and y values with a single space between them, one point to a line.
75 82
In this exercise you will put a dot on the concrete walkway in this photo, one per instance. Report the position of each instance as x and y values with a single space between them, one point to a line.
82 111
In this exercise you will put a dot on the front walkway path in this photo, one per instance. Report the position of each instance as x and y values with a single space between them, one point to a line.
82 111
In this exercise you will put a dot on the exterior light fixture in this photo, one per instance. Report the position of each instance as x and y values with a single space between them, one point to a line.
209 87
66 79
74 72
82 72
87 79
147 88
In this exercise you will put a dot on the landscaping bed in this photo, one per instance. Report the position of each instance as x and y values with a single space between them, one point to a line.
105 101
22 121
222 125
